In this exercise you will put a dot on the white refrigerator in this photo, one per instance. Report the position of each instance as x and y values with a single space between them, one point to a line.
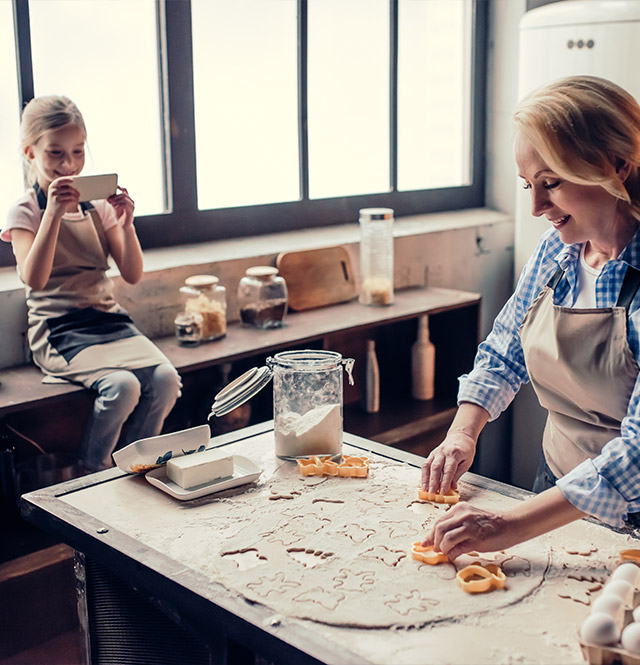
596 37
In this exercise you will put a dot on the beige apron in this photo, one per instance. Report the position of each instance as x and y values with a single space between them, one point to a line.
582 370
79 285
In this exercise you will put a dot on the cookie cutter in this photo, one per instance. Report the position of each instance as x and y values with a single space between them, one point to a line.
350 467
630 555
353 467
428 554
481 578
450 497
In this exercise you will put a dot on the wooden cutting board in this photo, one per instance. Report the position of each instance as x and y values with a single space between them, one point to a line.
317 277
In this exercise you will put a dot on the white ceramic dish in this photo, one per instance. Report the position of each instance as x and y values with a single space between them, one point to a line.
152 452
244 471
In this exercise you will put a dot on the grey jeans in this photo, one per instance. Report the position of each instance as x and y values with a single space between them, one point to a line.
133 403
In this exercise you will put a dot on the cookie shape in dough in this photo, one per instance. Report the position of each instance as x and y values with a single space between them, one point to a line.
450 497
428 555
580 549
478 578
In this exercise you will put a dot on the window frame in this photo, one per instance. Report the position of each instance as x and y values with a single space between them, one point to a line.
184 223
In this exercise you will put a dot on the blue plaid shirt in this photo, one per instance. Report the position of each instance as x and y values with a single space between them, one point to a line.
608 486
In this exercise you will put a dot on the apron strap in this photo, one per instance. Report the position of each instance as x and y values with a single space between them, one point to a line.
629 288
102 236
555 278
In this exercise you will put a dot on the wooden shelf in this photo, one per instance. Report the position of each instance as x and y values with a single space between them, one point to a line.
399 419
22 388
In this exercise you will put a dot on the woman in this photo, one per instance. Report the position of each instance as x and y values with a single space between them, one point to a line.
571 327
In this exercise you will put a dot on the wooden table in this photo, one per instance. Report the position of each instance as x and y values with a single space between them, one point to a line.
145 563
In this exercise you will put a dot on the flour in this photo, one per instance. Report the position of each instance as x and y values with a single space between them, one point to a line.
317 432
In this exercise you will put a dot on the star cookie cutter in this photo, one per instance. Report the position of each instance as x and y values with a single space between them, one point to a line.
428 555
350 467
481 578
450 497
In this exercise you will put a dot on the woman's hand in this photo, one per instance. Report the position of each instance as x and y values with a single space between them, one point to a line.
62 197
124 206
446 463
465 528
454 455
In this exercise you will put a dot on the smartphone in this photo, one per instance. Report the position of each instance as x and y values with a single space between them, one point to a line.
94 187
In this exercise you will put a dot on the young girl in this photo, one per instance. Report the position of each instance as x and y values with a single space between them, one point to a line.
77 331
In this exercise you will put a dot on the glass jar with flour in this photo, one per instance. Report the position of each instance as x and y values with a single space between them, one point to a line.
307 400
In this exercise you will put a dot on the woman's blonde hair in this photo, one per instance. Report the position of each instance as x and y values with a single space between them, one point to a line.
41 115
585 128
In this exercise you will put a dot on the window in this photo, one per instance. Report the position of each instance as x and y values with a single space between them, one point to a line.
245 93
10 165
348 101
103 55
226 119
434 69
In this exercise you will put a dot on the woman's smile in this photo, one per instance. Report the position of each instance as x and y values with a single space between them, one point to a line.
560 221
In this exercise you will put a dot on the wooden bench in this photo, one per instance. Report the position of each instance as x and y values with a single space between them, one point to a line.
24 399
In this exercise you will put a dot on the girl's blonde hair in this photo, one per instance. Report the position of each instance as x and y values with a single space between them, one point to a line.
585 128
41 115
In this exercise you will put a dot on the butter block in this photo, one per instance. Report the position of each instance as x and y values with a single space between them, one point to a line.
190 471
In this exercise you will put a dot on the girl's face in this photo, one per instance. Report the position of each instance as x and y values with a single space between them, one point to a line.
580 213
58 152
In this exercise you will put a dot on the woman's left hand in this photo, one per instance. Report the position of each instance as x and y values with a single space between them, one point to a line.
124 206
465 528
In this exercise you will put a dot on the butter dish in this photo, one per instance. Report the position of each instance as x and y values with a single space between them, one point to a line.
154 451
244 471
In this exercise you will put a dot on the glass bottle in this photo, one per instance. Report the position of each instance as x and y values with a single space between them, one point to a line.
205 308
423 362
376 256
262 297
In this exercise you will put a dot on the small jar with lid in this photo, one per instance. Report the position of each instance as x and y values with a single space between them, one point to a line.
205 310
262 297
376 256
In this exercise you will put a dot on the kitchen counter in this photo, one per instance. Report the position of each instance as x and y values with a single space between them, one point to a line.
318 569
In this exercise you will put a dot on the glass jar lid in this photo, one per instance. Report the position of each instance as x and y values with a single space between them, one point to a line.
254 380
201 281
261 272
306 360
240 390
369 214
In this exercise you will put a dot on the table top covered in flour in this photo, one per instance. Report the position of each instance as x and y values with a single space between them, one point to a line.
319 568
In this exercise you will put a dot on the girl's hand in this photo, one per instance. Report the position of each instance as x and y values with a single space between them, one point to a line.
464 528
62 197
124 206
448 462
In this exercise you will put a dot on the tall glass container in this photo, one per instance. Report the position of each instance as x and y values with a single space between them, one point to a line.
376 256
307 402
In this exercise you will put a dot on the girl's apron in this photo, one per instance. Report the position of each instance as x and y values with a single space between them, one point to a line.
77 331
582 370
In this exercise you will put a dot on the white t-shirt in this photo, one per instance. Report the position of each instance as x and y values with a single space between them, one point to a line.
587 277
26 214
